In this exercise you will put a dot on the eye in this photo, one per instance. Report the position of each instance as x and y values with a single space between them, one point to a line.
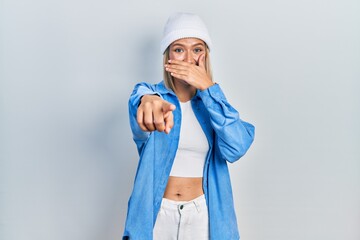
178 50
197 50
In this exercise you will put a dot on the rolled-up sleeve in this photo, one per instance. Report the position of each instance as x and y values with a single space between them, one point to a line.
233 135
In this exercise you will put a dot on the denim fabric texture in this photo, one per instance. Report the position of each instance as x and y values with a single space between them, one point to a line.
229 138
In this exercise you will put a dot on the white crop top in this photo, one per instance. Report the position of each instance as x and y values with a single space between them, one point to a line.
193 146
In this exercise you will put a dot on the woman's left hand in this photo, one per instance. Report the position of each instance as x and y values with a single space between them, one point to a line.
190 73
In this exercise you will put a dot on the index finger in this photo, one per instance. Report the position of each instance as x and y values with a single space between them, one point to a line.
201 60
168 107
183 63
169 122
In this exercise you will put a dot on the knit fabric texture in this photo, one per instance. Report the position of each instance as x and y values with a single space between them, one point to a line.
184 25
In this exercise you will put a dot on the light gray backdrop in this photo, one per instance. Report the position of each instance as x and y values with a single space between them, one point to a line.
67 157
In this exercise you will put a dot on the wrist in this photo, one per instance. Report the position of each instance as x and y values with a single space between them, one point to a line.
207 85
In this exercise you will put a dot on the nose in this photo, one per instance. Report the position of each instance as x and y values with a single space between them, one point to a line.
189 57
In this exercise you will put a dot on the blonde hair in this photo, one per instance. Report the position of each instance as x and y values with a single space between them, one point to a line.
168 79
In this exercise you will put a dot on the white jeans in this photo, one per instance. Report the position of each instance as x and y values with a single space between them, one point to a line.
182 220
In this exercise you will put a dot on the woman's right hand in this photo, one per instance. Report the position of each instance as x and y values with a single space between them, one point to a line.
154 113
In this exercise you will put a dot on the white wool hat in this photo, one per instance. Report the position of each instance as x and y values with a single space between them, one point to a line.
184 25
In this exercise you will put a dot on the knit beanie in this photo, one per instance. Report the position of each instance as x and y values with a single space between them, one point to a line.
184 25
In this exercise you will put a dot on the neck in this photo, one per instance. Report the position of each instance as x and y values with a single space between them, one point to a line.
183 90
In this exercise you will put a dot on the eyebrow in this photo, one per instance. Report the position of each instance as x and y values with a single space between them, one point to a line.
183 45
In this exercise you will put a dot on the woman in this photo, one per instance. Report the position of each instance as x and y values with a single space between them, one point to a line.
185 132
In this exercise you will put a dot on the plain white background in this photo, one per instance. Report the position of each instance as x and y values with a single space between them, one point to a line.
68 67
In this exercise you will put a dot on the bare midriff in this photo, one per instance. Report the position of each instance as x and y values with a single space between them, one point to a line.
183 188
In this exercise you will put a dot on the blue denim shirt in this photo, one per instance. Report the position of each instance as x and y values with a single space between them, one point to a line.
229 138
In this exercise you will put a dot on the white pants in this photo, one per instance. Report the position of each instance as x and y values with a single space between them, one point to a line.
182 220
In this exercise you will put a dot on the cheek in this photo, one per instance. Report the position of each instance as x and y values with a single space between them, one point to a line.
176 56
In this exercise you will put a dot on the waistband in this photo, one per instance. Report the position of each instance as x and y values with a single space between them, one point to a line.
172 204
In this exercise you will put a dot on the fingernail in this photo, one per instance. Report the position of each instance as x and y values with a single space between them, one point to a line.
169 61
